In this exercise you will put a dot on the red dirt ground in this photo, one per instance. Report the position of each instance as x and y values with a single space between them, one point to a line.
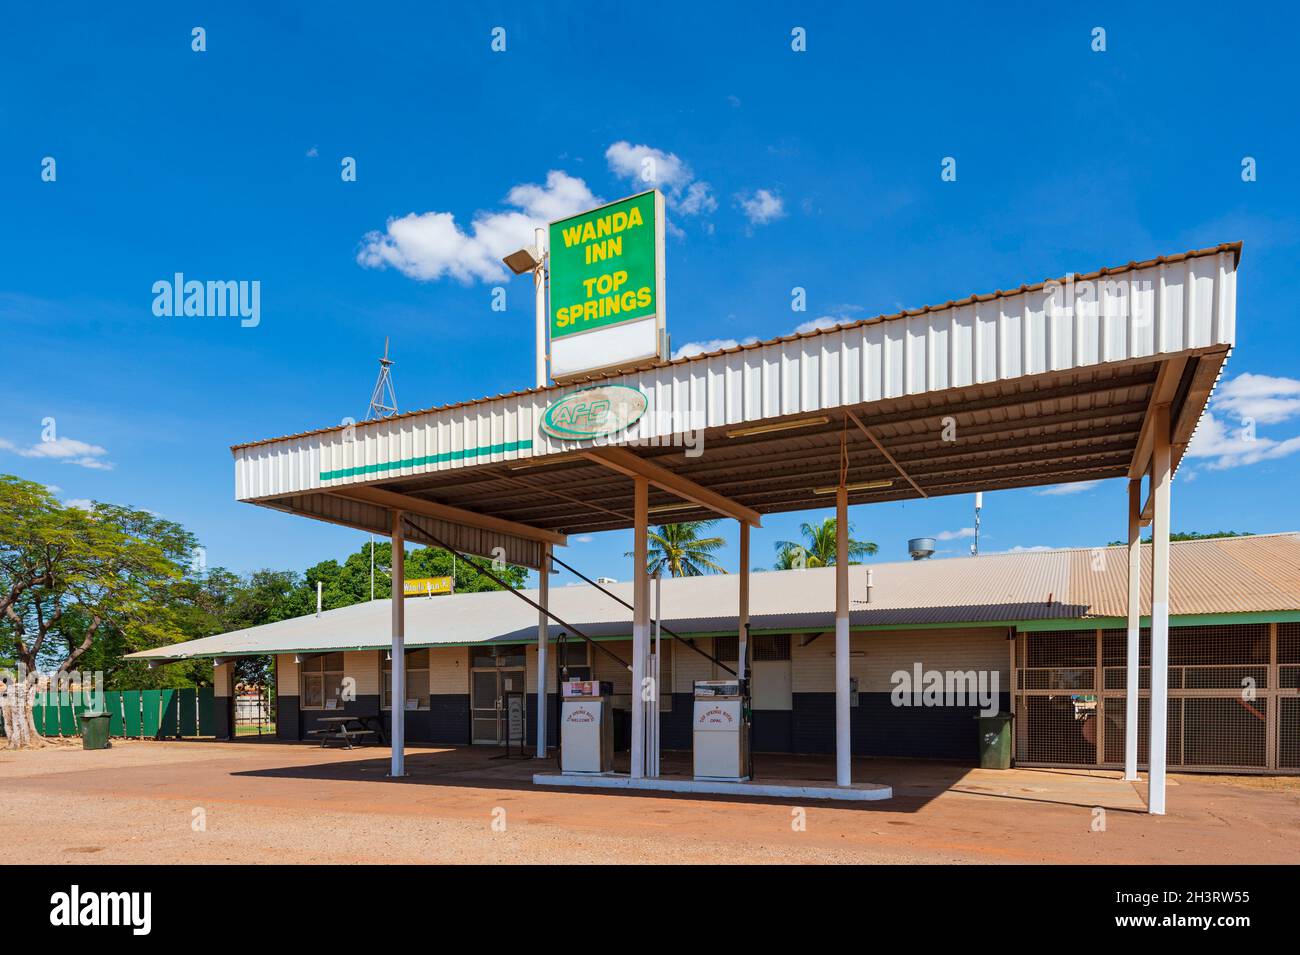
272 802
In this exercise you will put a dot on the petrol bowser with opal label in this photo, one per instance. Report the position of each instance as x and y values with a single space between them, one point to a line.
721 730
586 727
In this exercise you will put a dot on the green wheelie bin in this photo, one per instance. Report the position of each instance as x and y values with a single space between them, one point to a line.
995 741
94 730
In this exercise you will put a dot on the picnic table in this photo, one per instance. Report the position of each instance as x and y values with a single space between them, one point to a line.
349 728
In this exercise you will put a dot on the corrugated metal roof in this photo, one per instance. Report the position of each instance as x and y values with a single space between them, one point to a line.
1235 248
1231 575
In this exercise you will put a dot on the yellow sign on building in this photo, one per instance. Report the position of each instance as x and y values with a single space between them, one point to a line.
421 586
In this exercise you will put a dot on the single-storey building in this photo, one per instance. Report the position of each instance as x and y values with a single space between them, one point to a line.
1043 632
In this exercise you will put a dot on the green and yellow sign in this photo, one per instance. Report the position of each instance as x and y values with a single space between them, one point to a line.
605 265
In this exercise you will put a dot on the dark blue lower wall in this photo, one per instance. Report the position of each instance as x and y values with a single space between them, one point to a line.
881 729
287 723
223 717
419 725
449 718
552 719
772 731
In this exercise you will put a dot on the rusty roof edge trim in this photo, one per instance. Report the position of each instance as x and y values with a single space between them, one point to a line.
1234 247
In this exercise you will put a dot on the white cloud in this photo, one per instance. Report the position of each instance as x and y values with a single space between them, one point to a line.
691 349
1267 399
824 321
956 535
66 450
761 207
1021 549
647 167
584 539
1057 490
1237 446
83 503
431 245
1227 433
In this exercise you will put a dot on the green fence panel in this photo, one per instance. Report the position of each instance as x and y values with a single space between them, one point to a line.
170 709
188 698
113 703
131 713
69 713
207 711
38 715
150 700
50 724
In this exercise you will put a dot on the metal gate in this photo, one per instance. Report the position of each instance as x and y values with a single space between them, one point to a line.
254 711
1234 698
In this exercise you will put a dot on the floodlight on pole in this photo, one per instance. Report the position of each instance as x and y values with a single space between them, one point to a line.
534 260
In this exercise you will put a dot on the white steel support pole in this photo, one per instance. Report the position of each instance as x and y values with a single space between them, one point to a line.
658 673
1132 659
1160 481
543 626
843 742
539 291
743 615
640 621
398 768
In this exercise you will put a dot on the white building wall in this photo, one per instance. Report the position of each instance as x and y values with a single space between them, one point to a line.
286 672
885 653
877 655
607 669
448 670
363 666
690 666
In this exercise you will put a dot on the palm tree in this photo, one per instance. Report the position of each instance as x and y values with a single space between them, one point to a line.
818 548
679 549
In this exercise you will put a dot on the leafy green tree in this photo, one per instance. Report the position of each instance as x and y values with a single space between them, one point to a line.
71 578
1191 536
679 549
818 547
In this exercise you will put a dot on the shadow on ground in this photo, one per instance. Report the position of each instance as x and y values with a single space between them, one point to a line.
915 782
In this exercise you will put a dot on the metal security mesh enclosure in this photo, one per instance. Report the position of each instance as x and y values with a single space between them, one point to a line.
1234 702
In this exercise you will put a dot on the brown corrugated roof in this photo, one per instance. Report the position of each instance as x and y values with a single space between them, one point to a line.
1230 575
1233 247
1221 575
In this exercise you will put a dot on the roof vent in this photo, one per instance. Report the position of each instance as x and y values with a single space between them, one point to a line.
920 547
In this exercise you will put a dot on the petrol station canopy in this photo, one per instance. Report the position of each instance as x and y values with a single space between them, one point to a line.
1048 383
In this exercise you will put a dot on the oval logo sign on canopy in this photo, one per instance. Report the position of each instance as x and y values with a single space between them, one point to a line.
594 412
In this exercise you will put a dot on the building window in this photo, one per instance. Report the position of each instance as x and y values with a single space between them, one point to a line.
507 657
417 681
322 682
770 647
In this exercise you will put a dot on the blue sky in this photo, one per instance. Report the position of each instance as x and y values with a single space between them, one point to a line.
818 169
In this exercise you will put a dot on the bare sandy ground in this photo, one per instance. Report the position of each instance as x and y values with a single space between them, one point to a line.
254 802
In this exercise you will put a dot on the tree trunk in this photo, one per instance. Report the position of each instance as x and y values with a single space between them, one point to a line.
17 709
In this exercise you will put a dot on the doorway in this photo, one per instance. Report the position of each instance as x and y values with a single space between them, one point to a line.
494 672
